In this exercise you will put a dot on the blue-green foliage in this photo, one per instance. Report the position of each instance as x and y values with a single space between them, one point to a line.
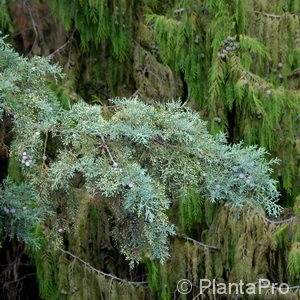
140 157
18 212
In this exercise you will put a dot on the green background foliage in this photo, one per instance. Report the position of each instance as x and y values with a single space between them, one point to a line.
121 175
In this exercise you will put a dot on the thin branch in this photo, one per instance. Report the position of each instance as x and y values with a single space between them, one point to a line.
277 222
34 26
30 27
64 45
19 279
202 244
104 145
273 16
288 288
135 94
107 149
112 277
45 147
294 287
179 10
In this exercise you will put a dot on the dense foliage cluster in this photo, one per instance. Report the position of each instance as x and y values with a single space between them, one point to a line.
19 213
141 158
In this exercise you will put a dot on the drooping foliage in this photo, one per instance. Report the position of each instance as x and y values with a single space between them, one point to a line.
235 61
97 20
216 40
